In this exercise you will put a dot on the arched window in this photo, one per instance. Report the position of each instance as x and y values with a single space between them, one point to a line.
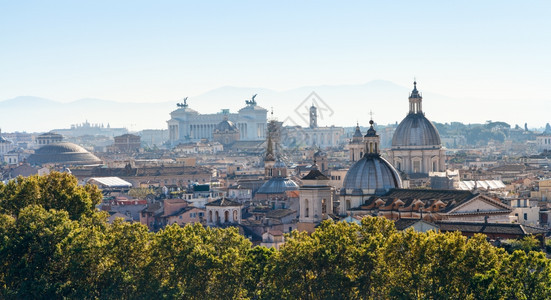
347 204
434 166
323 206
235 216
306 208
210 216
226 216
216 217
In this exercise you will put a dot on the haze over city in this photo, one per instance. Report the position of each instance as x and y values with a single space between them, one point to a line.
474 61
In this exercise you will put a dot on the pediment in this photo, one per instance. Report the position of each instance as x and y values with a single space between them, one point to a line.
481 205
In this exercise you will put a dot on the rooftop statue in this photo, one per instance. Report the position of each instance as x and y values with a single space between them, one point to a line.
251 102
183 105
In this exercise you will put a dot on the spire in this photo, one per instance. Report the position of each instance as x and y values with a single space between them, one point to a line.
270 149
415 100
315 165
358 132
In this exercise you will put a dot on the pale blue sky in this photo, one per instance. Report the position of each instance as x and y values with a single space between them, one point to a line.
162 50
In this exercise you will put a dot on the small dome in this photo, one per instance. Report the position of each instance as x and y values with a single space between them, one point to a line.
63 153
226 125
371 175
416 130
277 185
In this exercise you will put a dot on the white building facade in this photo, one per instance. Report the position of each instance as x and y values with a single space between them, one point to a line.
187 124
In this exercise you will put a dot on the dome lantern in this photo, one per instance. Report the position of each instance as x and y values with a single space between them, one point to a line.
371 140
415 101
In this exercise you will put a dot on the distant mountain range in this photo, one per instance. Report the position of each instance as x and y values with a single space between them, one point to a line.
340 105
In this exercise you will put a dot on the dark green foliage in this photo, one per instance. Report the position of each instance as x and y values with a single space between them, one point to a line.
49 252
55 191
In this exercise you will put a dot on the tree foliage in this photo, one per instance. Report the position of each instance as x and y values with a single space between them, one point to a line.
53 245
56 191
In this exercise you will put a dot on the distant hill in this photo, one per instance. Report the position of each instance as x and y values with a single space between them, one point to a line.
340 105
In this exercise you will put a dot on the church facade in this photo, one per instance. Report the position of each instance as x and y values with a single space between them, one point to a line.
186 124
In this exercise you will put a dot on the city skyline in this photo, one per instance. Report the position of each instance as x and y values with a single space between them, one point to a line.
339 105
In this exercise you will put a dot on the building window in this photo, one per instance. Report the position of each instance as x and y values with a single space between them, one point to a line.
416 166
525 216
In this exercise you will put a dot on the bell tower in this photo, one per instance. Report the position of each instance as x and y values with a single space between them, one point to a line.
313 117
269 159
356 145
316 200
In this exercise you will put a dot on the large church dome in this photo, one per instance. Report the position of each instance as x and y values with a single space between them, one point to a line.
415 129
63 153
371 175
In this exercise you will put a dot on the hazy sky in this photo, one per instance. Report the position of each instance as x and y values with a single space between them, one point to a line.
163 50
